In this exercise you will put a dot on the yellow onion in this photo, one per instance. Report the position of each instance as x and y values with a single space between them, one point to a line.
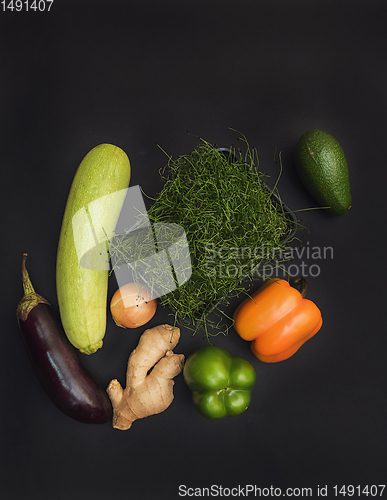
132 305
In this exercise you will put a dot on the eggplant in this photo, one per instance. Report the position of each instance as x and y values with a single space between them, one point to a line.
60 371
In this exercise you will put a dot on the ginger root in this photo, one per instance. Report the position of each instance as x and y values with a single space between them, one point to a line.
146 393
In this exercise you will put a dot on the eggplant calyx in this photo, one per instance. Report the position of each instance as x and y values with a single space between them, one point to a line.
30 299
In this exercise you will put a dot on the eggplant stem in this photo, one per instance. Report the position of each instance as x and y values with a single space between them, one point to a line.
30 299
27 285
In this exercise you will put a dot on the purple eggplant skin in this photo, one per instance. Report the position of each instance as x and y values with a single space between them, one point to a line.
60 371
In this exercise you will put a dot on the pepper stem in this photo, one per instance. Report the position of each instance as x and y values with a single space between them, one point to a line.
303 285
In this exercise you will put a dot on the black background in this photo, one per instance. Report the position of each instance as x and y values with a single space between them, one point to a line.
143 73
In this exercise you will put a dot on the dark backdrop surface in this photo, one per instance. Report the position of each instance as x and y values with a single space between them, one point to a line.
143 73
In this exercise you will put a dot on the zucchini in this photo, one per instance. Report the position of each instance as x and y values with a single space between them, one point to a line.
93 206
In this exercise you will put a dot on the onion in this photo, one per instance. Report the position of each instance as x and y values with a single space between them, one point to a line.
132 305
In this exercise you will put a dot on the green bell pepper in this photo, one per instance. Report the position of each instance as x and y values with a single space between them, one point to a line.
221 384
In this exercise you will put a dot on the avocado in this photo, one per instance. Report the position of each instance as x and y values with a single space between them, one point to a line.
322 167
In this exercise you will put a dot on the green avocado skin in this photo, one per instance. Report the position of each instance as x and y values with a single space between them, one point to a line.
321 165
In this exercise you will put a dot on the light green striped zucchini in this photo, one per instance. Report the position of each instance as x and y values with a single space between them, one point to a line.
91 214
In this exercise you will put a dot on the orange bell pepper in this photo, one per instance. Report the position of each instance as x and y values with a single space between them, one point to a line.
277 319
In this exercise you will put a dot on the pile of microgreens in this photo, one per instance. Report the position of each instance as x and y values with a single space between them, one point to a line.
220 199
